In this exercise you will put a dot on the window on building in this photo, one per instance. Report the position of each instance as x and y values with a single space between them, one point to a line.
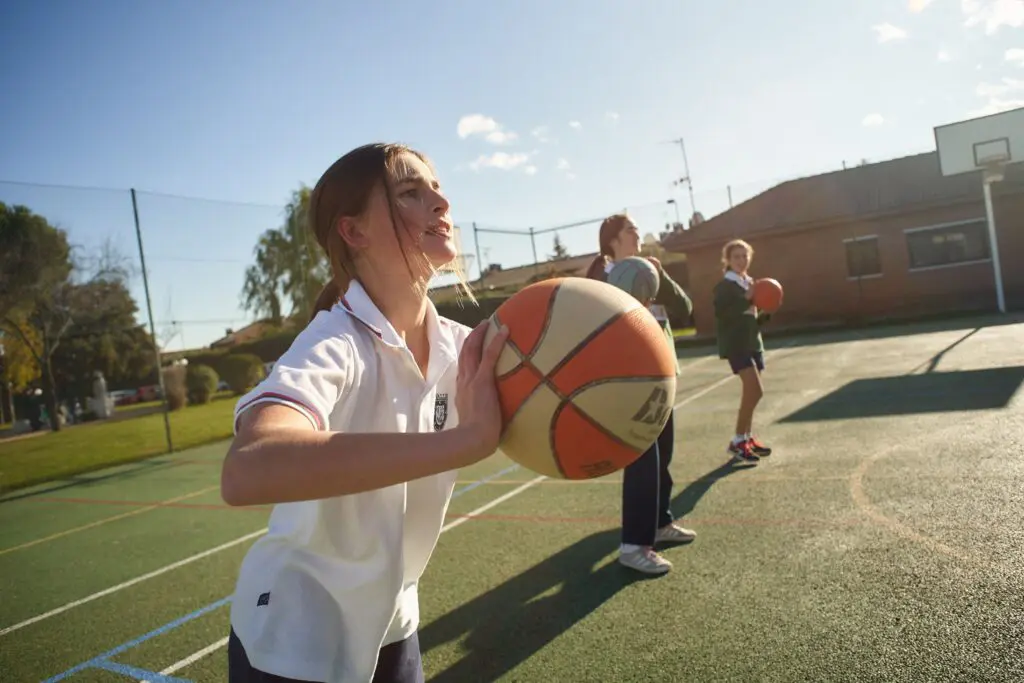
948 245
863 258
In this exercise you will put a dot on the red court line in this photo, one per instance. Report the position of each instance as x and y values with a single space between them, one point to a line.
146 503
722 521
550 519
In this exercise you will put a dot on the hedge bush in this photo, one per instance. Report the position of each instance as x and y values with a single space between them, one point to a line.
241 371
174 385
201 381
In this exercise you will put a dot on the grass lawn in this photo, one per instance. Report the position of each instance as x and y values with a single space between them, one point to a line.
93 445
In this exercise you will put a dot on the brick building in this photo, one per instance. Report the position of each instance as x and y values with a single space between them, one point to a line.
884 240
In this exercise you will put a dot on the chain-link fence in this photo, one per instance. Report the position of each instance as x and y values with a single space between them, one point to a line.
152 279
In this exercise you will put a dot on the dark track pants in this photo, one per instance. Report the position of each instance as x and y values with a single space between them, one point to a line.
647 491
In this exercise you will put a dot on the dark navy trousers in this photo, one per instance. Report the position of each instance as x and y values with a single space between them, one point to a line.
397 663
647 490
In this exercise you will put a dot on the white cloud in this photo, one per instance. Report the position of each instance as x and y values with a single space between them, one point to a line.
887 32
563 165
478 124
612 116
540 133
575 125
1005 87
872 120
993 13
1015 56
944 56
530 170
918 5
1002 96
503 161
996 105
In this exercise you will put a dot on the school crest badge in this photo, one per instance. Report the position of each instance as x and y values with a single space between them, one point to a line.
440 411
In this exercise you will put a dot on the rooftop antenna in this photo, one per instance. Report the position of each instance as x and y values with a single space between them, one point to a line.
686 169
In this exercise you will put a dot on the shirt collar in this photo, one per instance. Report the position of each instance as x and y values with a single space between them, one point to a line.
743 282
357 303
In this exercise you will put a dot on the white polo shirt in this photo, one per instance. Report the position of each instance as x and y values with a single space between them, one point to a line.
333 580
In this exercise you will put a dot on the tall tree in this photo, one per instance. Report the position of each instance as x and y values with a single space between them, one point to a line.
106 337
39 294
561 253
35 263
289 269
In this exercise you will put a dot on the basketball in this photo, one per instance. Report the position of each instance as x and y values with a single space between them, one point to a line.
767 294
637 276
585 379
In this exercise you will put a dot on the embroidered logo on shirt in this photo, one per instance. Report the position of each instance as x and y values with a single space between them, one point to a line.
263 600
440 412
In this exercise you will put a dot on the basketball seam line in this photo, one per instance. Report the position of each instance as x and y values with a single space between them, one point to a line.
544 329
586 418
566 400
586 340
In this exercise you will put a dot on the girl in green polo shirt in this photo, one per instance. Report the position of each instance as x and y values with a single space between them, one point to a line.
738 329
646 483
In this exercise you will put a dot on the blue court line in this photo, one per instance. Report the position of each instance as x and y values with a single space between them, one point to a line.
102 661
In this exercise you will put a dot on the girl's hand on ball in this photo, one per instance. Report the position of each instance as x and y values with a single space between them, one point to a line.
476 398
655 261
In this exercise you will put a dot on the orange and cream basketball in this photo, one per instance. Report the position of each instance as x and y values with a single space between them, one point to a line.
585 381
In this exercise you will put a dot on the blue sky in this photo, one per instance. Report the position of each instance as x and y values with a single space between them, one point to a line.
565 109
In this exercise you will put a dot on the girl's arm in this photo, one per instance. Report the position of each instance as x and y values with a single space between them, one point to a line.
278 456
671 295
731 299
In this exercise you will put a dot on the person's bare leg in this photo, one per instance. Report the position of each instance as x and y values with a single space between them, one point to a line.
752 393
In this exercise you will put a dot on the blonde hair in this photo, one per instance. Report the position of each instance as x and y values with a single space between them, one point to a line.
344 190
732 246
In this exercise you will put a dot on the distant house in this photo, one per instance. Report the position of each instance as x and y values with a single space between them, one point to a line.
513 279
888 239
250 332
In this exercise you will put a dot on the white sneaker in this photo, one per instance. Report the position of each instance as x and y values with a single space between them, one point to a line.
645 560
672 533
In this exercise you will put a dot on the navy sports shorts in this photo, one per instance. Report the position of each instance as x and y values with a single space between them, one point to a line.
397 663
747 359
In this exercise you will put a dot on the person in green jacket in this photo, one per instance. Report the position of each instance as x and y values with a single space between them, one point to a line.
738 330
647 484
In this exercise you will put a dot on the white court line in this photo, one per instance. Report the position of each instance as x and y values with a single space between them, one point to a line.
210 649
192 658
131 582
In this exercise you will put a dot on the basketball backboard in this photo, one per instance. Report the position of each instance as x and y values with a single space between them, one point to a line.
985 143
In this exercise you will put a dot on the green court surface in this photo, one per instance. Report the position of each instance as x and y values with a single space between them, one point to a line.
882 541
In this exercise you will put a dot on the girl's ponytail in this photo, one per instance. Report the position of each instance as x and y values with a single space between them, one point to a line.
597 266
329 296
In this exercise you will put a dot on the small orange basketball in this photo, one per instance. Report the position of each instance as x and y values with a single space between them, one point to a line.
586 379
767 294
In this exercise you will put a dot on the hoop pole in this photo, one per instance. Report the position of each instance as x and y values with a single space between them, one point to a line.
994 245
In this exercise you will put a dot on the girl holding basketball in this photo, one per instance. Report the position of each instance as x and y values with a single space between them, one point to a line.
647 483
737 327
355 435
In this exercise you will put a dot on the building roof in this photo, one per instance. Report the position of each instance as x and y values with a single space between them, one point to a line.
883 187
250 332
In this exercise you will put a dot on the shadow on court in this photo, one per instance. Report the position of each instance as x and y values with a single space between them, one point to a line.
933 392
510 623
124 472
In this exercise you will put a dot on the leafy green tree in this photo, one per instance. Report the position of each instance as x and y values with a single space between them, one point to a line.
35 264
289 269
